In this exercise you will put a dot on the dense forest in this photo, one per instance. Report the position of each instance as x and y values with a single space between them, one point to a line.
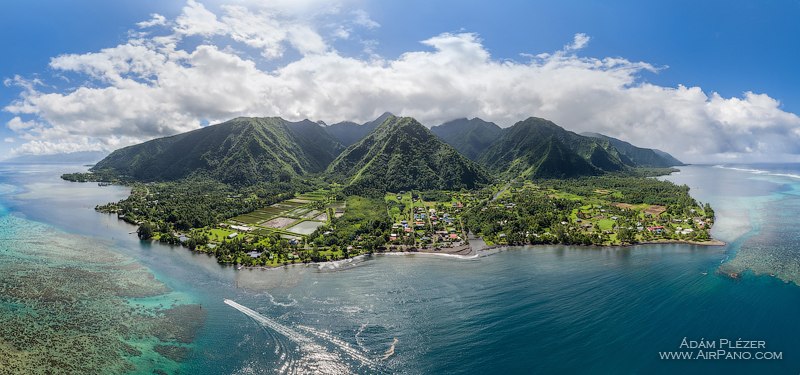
197 202
401 154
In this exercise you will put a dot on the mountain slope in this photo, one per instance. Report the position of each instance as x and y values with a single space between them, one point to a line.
469 137
644 157
240 151
538 148
401 154
348 132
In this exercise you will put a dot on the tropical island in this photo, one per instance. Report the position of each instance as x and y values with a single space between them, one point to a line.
266 192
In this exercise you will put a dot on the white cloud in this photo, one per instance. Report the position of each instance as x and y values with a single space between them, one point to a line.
155 20
362 19
8 140
16 124
153 86
578 42
197 20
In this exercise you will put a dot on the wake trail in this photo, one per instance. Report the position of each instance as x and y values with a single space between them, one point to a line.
299 338
390 352
344 346
271 324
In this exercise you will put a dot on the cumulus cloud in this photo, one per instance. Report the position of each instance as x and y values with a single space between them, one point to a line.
156 85
579 41
197 20
155 20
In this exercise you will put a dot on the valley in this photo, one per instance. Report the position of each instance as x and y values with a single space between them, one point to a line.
265 192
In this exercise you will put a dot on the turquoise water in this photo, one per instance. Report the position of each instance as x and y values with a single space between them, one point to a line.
534 310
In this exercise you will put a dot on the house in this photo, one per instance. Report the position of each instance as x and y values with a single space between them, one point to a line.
232 235
453 236
656 229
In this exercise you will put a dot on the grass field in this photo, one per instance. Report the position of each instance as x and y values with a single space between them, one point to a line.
278 217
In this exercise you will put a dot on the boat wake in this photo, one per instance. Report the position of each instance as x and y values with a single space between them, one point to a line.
318 358
344 346
282 304
390 352
271 324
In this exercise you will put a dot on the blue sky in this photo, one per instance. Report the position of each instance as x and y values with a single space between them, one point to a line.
725 47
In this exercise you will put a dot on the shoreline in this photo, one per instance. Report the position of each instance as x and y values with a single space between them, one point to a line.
711 242
474 253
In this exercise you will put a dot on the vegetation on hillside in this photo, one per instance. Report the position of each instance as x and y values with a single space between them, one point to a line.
537 148
348 132
241 152
642 157
469 137
401 154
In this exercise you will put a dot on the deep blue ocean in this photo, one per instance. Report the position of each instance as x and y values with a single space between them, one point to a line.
537 310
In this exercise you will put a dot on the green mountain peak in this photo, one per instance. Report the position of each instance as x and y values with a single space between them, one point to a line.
402 154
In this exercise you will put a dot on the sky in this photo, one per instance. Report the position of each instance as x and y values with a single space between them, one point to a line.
710 81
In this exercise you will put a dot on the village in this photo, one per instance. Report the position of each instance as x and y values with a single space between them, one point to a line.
598 219
427 221
323 225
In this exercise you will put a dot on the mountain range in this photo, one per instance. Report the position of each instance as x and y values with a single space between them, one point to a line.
538 148
644 157
389 153
241 151
470 137
348 132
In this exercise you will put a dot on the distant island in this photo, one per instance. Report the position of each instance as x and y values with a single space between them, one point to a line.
266 192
